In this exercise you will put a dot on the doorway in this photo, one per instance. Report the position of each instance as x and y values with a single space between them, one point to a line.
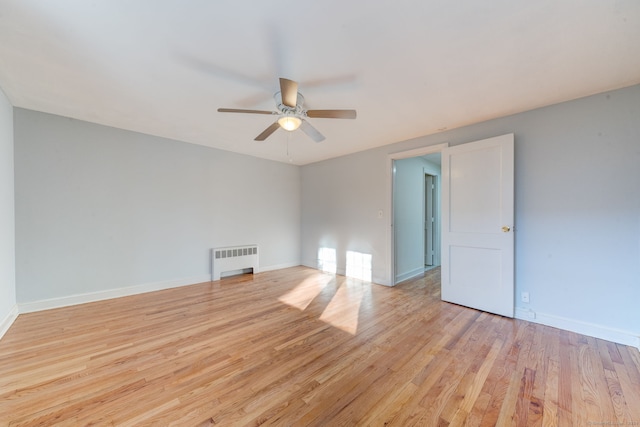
415 212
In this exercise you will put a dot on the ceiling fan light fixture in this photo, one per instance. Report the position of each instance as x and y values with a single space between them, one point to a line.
289 123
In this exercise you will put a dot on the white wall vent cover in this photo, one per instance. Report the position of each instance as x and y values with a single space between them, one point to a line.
233 258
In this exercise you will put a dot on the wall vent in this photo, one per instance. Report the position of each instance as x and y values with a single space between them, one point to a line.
233 258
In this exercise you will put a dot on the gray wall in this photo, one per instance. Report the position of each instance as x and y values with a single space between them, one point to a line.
99 208
7 224
340 203
577 186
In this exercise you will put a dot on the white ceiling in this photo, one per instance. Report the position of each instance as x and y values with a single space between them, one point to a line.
409 67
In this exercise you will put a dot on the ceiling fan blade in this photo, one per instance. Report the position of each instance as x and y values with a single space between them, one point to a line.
238 110
267 132
311 131
331 114
289 92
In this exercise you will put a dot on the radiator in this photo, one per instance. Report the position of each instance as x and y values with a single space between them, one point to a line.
233 258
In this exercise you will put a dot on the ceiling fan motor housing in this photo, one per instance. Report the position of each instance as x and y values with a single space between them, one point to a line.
289 111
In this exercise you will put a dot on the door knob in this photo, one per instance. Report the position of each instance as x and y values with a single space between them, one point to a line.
506 228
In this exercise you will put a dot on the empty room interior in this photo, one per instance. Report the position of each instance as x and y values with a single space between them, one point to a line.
320 213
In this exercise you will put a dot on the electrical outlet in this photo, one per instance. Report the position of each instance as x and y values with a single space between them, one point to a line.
524 297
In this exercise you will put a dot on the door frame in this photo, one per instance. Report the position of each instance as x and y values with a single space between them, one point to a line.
429 201
417 152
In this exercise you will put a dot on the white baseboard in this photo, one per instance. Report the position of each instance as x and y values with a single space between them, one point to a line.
409 274
66 301
342 272
255 271
590 329
381 281
29 307
8 320
279 266
597 331
315 265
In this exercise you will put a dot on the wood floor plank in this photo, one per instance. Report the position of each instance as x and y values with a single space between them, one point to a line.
302 347
551 388
515 404
629 387
469 399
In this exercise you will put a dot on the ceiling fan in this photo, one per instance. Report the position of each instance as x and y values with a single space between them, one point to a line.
292 113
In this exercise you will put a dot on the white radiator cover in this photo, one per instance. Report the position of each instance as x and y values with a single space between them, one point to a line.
233 258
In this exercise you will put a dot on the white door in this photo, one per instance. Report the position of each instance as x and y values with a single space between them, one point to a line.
477 225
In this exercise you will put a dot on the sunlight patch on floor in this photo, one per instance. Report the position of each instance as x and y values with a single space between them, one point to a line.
303 294
344 309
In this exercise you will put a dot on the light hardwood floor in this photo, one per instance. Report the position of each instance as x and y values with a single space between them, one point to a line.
298 347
